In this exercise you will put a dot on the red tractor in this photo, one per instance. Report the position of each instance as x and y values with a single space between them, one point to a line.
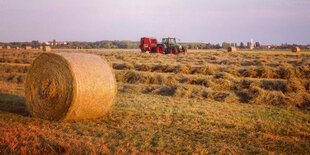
168 46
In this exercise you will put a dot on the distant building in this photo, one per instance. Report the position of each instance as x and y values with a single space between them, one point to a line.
57 42
252 44
270 46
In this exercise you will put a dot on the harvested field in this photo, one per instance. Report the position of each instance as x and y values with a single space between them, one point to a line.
202 102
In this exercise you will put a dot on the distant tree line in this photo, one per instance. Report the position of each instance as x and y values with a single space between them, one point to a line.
78 44
100 44
241 45
135 44
33 44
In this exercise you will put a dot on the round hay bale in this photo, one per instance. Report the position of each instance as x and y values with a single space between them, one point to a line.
8 47
47 48
41 47
232 49
69 86
0 47
28 48
17 48
295 49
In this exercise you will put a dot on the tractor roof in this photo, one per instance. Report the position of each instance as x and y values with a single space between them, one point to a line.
148 38
170 37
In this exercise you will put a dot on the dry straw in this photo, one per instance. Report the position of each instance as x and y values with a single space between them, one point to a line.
69 86
8 47
47 48
28 48
41 47
232 49
295 49
17 48
0 47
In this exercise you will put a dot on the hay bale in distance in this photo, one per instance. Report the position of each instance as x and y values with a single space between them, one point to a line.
232 49
295 49
69 86
47 48
1 47
17 48
28 48
8 47
41 47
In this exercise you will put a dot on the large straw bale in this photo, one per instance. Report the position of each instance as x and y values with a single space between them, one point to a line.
47 48
69 86
17 48
41 48
295 49
0 47
232 49
8 47
28 48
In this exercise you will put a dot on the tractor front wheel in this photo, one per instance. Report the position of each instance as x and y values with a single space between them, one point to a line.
160 49
184 49
173 50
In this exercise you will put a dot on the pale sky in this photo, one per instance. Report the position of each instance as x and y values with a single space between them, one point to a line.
215 21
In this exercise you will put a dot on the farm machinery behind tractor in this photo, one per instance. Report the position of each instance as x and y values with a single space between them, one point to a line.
167 46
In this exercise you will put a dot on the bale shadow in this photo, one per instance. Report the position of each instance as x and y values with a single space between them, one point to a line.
13 104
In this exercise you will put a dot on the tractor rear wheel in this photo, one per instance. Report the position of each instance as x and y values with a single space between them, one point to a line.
160 49
173 50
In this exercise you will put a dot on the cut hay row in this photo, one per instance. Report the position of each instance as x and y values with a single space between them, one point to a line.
183 69
22 53
302 71
225 62
218 82
214 58
13 68
181 91
12 88
253 95
18 57
214 83
16 60
12 78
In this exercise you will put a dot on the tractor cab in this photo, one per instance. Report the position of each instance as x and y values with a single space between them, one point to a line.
169 40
